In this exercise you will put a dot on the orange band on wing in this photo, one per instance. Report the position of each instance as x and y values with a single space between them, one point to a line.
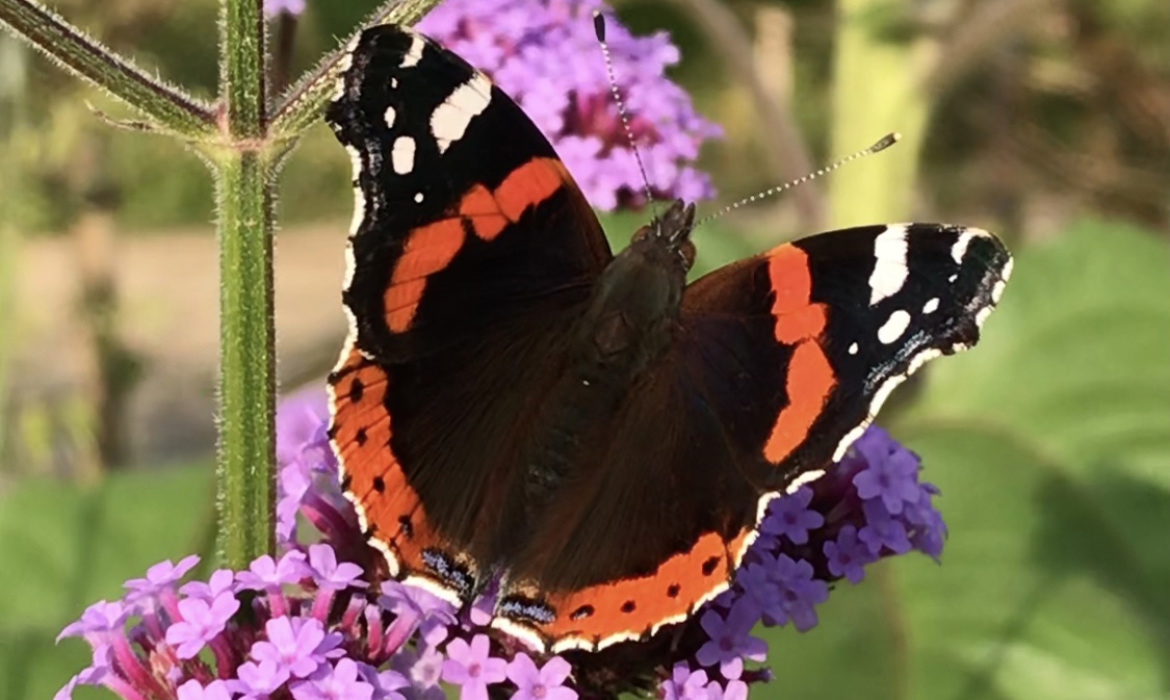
799 322
810 379
431 248
597 616
390 510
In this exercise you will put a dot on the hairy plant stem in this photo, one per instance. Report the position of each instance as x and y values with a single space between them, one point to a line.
168 107
247 372
247 332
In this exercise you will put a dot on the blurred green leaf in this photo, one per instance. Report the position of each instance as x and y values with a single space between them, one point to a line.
1050 444
73 545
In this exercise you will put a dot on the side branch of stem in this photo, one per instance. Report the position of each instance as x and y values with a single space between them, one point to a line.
166 105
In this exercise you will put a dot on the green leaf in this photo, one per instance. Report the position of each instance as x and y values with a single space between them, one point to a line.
71 545
1050 442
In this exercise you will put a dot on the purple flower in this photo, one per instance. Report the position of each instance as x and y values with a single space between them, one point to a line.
215 690
102 616
328 573
545 683
685 684
797 593
386 684
427 671
162 575
202 621
789 516
265 572
882 529
734 690
221 581
847 555
730 639
545 55
892 475
342 682
470 667
262 678
299 645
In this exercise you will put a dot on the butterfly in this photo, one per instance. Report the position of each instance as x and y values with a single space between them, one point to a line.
517 403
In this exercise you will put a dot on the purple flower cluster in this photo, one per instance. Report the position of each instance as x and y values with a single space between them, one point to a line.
545 55
312 625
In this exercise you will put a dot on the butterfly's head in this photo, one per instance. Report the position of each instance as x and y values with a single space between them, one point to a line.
669 235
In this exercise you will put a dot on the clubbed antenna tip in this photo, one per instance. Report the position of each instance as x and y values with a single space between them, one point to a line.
880 145
599 25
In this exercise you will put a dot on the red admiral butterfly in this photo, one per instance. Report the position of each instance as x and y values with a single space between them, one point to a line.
515 400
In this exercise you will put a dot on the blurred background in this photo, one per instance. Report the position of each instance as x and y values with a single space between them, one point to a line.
1047 121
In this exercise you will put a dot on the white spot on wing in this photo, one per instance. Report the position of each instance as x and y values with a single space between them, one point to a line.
959 249
418 197
894 327
390 116
359 199
450 120
931 305
982 315
853 349
414 53
402 155
889 268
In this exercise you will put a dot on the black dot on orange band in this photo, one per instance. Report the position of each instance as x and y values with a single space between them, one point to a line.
709 566
405 525
581 612
333 378
673 590
346 482
379 484
331 433
628 606
360 437
356 388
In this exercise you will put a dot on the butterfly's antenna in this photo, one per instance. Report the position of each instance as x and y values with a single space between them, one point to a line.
882 144
599 30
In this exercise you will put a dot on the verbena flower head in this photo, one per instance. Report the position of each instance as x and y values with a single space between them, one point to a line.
545 55
321 621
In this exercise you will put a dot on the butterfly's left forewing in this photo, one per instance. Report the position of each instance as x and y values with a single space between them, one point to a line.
471 254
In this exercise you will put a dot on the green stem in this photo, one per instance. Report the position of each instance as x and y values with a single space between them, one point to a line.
247 385
301 106
877 88
84 56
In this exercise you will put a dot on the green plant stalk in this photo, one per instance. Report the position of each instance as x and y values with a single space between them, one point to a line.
167 106
876 89
247 372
